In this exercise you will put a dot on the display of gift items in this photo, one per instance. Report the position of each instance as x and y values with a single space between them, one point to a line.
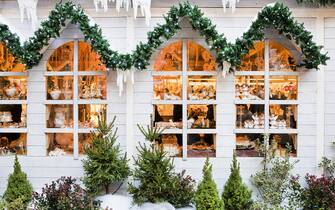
7 120
170 58
279 145
282 117
281 59
170 145
60 116
165 112
12 88
203 90
198 116
89 115
91 87
249 92
254 60
199 147
246 145
248 119
60 144
167 88
12 143
283 91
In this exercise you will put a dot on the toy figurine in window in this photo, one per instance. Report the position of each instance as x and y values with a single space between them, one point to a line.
13 143
170 58
62 58
60 144
279 143
11 116
201 116
209 63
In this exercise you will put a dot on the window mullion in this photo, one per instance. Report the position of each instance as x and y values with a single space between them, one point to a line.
184 97
75 101
267 85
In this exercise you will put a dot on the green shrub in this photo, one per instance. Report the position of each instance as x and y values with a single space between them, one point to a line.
236 194
104 164
154 171
207 196
19 189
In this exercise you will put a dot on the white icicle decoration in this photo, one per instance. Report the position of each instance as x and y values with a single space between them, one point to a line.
29 7
121 79
225 68
145 6
122 3
103 3
230 4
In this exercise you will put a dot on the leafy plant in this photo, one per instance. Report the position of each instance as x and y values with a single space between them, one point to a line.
151 133
273 181
236 194
207 196
105 164
318 194
19 189
63 194
154 172
328 166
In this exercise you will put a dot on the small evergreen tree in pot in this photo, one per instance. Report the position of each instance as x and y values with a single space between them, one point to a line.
207 196
19 188
105 164
236 194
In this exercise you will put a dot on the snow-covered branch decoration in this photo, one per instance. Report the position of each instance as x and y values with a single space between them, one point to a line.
29 7
145 6
121 79
230 4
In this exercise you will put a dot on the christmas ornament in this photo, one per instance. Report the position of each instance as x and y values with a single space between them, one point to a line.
229 3
145 7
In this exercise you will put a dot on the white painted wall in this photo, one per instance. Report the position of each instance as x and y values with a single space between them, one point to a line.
118 30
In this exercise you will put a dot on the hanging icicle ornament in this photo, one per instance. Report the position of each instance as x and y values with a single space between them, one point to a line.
230 4
30 8
102 3
225 68
121 79
145 7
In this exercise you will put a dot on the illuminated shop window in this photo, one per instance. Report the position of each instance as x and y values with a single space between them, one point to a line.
13 108
184 98
76 97
267 100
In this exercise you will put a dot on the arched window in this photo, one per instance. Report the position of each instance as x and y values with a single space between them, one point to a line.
185 99
266 88
13 108
76 97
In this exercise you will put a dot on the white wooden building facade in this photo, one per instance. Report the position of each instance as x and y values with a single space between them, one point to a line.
315 102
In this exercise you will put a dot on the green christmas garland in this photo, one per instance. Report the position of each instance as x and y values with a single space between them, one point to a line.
277 16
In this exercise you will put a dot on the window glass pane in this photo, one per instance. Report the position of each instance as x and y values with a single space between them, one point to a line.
279 144
168 116
283 116
13 116
201 145
170 58
199 58
249 87
167 88
201 116
59 116
88 60
92 87
13 143
201 88
59 87
60 144
172 144
250 116
283 87
7 61
280 58
62 58
247 145
85 140
89 115
254 60
13 88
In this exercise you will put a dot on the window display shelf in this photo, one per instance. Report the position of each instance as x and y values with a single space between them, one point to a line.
201 101
249 73
250 130
201 73
56 73
200 131
92 101
284 102
58 130
283 73
167 102
13 101
59 102
7 74
238 101
166 73
283 130
13 130
173 131
91 73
